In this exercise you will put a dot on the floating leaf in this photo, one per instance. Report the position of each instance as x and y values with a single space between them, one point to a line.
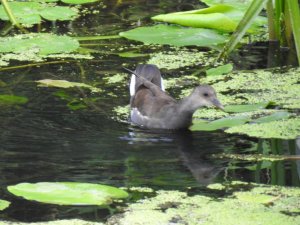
65 84
273 117
196 18
283 129
68 193
58 13
174 35
224 69
200 125
220 17
77 2
44 44
30 12
4 204
241 4
12 100
245 108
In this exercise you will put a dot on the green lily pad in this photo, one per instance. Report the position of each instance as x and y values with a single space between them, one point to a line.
4 204
31 12
175 35
200 125
68 193
283 129
65 84
245 108
44 44
273 117
58 13
224 69
12 100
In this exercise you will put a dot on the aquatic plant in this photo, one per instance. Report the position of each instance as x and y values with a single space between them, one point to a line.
247 202
4 204
68 193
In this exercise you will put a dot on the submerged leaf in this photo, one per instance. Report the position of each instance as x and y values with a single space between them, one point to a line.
200 125
68 193
273 117
224 69
65 84
4 204
175 35
12 100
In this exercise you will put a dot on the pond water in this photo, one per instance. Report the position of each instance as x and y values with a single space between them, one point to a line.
45 140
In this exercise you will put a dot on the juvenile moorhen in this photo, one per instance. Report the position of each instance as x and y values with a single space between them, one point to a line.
151 107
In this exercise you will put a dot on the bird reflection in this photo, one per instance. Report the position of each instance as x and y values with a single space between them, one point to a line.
191 149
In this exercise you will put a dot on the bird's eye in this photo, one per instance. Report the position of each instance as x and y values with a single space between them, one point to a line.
205 94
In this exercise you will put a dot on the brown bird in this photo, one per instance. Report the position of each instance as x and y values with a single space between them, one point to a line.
151 107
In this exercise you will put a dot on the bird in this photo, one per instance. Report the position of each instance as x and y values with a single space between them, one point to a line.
153 108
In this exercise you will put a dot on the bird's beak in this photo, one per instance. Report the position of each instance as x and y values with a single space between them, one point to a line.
218 104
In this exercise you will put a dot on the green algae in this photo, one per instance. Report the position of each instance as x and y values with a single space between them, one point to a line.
248 204
54 222
256 86
117 78
121 113
179 58
284 129
254 157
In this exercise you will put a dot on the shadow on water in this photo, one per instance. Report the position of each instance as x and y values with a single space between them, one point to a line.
46 141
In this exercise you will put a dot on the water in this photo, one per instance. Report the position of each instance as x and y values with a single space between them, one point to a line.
46 141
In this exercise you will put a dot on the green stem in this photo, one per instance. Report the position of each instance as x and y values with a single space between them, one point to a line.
253 10
271 25
294 14
11 16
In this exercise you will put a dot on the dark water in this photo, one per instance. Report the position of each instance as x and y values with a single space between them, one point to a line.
46 141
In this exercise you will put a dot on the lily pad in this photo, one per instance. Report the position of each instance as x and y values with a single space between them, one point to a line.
31 12
4 204
245 108
65 84
12 100
44 44
68 193
224 69
175 35
283 129
200 125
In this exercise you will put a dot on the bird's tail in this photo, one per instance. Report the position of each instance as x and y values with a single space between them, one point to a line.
149 72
